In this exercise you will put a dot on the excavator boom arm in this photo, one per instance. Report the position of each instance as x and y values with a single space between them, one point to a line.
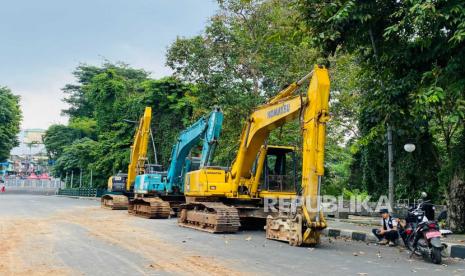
139 148
211 136
280 109
209 128
315 116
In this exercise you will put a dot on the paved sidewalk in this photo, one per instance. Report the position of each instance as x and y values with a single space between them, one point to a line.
360 230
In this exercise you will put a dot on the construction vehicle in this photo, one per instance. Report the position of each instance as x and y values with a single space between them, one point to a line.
120 186
158 194
218 200
116 186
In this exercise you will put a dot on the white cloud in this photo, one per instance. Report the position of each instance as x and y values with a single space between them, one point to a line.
41 98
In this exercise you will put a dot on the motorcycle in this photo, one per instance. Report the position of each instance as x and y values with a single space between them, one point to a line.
422 234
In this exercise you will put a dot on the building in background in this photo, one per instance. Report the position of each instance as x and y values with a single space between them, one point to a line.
30 158
30 142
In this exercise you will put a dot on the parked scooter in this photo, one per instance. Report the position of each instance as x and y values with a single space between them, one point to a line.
422 235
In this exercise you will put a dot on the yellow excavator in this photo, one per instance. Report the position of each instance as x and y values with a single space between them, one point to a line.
120 186
219 200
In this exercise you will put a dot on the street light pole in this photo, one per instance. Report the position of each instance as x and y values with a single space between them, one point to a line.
390 166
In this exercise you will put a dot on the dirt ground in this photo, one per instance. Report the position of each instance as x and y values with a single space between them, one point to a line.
48 235
22 242
27 245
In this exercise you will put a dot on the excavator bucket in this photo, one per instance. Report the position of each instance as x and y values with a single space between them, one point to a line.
294 230
285 229
114 202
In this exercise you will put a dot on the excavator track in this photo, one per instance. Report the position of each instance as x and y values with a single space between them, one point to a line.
151 208
114 202
213 217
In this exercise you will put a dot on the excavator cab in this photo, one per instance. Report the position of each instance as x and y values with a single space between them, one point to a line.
152 181
279 170
153 168
115 197
191 164
117 183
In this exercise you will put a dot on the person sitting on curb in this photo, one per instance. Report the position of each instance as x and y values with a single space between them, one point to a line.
387 233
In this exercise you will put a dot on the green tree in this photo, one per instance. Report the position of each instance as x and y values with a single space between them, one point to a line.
106 101
57 137
247 53
10 118
77 157
175 106
411 54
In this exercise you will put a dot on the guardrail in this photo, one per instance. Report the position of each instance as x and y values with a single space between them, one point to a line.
33 186
81 192
49 187
30 190
34 183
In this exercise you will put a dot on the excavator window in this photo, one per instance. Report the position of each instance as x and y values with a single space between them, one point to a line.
279 170
153 168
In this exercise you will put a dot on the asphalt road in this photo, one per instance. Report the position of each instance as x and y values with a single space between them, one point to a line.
47 235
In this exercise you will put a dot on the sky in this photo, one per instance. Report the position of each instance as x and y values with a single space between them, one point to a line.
41 42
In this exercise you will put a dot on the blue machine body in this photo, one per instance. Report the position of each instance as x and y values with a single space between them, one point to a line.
152 181
156 181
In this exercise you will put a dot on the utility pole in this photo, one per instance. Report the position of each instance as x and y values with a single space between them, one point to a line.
153 145
390 166
389 128
91 184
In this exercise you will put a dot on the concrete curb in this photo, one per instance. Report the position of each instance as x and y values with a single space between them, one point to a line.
349 234
361 222
453 250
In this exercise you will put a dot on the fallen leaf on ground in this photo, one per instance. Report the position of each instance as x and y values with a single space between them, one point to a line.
248 238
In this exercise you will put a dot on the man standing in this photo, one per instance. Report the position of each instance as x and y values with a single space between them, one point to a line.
387 233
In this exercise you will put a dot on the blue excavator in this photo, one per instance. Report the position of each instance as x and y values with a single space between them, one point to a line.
159 193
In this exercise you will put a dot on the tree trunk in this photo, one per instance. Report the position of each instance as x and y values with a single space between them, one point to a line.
456 208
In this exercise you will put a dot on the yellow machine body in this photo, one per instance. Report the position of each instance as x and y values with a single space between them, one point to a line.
139 148
242 180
